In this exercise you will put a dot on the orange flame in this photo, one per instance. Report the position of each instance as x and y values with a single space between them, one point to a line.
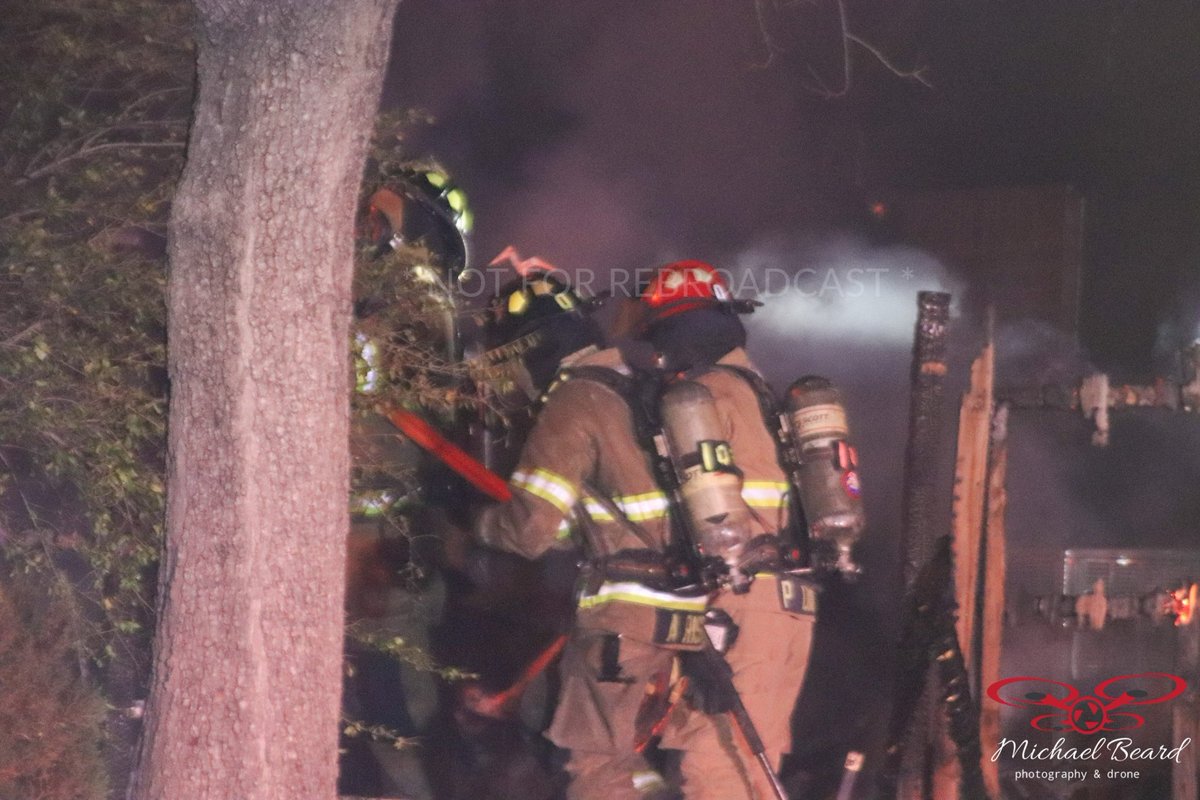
1183 604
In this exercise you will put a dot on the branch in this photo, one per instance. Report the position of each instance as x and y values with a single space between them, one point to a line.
821 87
19 335
917 74
52 155
817 84
146 98
30 513
847 61
764 30
17 216
59 164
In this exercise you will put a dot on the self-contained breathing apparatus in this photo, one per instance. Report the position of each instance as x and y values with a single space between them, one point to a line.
713 542
810 431
708 485
824 471
815 452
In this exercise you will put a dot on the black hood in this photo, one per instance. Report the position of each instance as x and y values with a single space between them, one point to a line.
697 338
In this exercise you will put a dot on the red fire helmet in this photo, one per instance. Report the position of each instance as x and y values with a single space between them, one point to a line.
683 286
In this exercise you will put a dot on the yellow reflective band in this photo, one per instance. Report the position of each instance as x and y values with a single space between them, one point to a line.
637 498
564 531
457 199
646 781
637 507
436 179
636 593
554 489
778 486
596 511
564 300
765 494
466 221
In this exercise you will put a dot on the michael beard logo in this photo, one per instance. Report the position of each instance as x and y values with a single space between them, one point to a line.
1106 709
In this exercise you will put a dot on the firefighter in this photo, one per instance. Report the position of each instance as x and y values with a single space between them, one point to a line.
533 324
691 321
582 474
419 208
587 475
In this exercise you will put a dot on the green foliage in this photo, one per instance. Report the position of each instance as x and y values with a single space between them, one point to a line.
98 96
352 728
49 718
407 313
405 344
407 653
93 120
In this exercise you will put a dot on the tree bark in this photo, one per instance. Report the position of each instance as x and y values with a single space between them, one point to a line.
245 695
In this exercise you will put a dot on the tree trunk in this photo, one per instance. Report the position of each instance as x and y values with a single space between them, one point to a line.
245 697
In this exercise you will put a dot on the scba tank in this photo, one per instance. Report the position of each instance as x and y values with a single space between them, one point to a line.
710 484
826 468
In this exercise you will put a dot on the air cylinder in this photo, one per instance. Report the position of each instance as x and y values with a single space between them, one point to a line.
826 467
709 482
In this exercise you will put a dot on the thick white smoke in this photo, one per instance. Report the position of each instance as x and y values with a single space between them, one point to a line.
837 291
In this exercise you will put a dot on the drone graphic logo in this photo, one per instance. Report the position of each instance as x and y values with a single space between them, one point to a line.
1102 711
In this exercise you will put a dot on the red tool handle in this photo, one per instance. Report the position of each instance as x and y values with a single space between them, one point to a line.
427 438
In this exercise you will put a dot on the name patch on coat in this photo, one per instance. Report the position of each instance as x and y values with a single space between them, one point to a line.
797 595
683 629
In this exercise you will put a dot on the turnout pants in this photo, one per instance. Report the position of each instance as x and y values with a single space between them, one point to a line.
596 714
769 661
601 694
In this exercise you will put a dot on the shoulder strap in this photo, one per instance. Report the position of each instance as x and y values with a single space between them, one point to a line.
767 403
606 376
639 391
629 389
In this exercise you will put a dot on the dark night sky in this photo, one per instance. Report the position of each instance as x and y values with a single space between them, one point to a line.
621 133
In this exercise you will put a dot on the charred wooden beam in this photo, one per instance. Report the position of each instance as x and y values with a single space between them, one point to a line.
933 718
924 432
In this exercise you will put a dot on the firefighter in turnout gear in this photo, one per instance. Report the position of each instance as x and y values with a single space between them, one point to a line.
534 322
690 320
587 476
583 479
421 206
414 226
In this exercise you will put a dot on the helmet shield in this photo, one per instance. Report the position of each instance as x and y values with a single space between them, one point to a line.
421 208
